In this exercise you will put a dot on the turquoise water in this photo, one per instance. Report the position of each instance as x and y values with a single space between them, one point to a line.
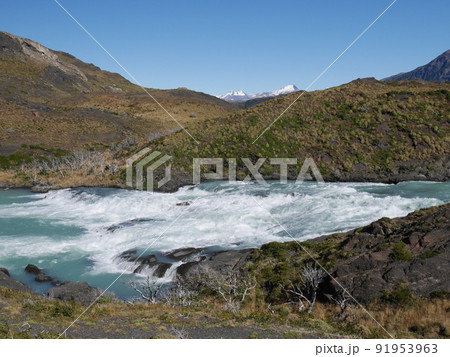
77 234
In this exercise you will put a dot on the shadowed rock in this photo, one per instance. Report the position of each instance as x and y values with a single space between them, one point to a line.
7 282
32 269
80 292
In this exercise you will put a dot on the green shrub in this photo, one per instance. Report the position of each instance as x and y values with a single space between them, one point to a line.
61 309
400 296
440 294
429 254
399 252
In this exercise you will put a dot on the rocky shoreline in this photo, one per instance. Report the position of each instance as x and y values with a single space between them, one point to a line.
438 171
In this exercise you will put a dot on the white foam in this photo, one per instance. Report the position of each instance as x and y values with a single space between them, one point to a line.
220 215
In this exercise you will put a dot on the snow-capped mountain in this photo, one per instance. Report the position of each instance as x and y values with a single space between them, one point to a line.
241 96
235 96
285 90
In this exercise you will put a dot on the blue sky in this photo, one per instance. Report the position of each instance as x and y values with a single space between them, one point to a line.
215 46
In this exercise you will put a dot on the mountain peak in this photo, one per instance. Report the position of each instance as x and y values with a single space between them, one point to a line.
241 96
235 96
286 89
438 70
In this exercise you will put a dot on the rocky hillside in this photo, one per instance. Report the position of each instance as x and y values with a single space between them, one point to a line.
411 253
438 70
365 130
56 101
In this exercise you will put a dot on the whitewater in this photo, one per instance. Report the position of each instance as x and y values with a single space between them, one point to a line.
78 234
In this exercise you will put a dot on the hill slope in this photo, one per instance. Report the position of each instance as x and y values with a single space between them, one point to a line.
54 100
438 70
362 131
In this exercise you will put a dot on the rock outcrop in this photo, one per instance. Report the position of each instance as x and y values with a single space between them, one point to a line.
194 261
406 253
221 263
80 292
7 282
412 250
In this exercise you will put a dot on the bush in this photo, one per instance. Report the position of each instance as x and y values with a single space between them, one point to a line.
440 294
400 296
63 310
399 252
429 254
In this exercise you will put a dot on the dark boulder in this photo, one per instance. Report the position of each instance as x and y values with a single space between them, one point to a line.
186 203
161 270
32 269
41 277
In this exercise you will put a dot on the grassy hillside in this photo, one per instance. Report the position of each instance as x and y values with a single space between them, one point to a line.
363 130
54 100
53 105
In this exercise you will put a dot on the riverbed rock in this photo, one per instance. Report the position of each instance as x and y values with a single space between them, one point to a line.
32 269
42 278
159 272
183 254
79 292
186 203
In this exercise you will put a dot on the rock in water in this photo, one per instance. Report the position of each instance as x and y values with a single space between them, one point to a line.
183 254
41 278
32 269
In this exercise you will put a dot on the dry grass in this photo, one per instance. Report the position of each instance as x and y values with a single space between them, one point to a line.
429 318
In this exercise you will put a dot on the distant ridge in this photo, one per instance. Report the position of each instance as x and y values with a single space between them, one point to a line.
438 70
